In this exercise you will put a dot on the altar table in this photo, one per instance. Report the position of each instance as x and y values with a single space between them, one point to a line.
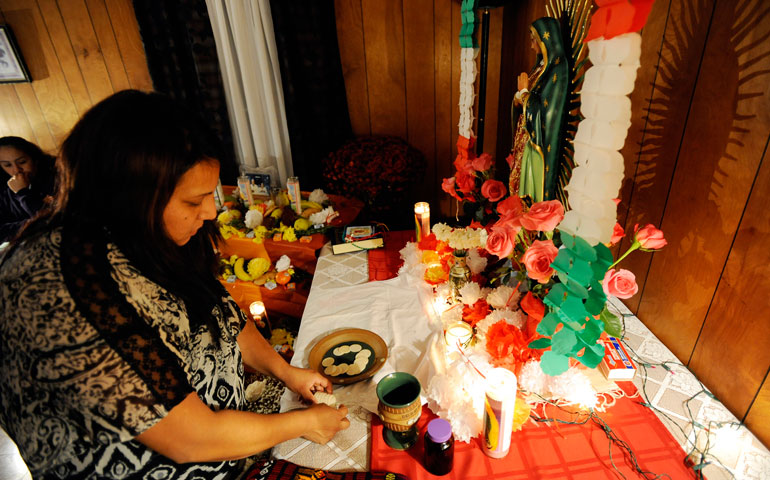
539 450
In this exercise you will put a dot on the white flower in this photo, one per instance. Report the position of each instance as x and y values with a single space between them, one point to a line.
320 217
470 293
532 379
475 262
318 196
283 263
413 266
574 387
503 297
253 218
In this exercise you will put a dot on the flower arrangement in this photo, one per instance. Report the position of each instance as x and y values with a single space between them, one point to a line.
275 218
556 284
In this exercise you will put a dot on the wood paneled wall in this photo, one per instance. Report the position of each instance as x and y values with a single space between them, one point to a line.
78 52
696 158
401 62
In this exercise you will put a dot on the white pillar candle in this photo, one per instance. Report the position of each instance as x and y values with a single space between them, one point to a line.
421 220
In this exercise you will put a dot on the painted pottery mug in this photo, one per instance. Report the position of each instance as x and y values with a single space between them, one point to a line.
399 409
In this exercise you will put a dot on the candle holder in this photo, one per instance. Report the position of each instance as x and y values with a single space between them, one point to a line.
259 314
458 336
421 220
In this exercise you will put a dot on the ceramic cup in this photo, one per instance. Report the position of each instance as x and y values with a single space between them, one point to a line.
399 409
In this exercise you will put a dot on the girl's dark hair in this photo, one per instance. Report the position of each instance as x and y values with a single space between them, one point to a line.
119 167
41 160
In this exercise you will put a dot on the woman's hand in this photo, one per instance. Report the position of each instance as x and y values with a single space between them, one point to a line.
304 382
18 181
523 81
328 421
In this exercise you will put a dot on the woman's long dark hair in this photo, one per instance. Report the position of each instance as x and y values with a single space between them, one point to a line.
119 167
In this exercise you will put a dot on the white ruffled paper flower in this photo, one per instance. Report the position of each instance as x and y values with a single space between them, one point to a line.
253 218
503 297
475 262
532 379
452 315
574 387
283 263
318 196
470 293
460 238
413 266
320 217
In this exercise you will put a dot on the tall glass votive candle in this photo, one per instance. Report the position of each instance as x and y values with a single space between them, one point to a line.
458 336
499 404
421 220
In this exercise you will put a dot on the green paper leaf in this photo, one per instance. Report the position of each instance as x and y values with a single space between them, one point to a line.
580 247
564 341
548 324
591 332
540 343
612 324
554 364
596 300
574 309
592 356
567 264
575 289
556 296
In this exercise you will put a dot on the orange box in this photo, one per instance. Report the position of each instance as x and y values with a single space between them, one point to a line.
616 364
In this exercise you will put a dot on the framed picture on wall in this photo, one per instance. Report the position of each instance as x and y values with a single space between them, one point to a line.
12 67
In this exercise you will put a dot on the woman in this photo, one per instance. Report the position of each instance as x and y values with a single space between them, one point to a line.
29 176
122 355
539 136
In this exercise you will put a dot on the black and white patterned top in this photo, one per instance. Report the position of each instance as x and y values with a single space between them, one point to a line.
74 397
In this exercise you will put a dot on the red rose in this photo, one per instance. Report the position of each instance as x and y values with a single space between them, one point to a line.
501 240
482 163
448 185
622 283
538 258
493 190
617 234
543 216
465 182
649 237
510 206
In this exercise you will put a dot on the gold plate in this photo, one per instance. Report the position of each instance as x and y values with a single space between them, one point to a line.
347 337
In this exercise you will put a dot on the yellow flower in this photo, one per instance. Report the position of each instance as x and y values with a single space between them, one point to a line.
289 235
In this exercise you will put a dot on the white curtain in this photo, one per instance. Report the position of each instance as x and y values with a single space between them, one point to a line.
248 59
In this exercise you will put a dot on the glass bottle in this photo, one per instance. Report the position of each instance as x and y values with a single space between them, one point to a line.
439 447
459 274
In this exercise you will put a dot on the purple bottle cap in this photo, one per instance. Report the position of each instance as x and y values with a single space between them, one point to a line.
439 430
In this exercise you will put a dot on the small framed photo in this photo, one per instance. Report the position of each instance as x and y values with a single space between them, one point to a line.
12 66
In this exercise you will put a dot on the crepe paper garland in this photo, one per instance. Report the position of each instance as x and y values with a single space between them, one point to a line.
616 17
606 108
469 21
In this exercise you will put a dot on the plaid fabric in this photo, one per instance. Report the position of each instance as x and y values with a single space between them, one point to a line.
283 470
385 262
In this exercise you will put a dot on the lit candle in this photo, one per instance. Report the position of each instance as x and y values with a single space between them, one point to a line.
500 401
421 220
458 336
257 310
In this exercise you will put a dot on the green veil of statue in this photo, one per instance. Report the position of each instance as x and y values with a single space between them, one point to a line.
545 110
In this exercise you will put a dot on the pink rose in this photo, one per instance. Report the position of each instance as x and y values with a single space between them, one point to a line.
649 237
510 206
501 240
482 163
538 259
510 221
617 234
543 216
493 190
448 185
622 283
465 182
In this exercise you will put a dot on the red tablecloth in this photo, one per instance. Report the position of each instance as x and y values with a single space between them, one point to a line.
538 451
561 451
384 262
